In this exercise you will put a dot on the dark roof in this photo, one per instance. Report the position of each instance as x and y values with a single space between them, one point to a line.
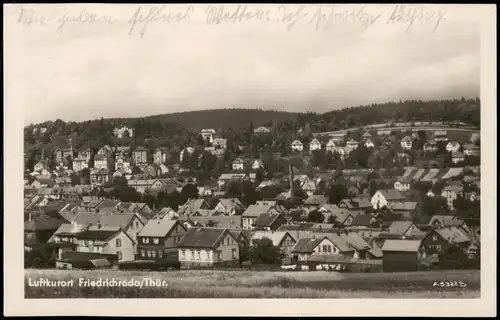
202 238
306 245
41 223
79 257
363 220
266 219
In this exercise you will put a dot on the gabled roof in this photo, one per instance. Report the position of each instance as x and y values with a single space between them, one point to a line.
98 235
404 206
221 221
306 245
255 210
339 242
355 241
158 228
401 245
230 202
364 220
203 238
399 227
453 234
266 219
391 194
316 200
107 219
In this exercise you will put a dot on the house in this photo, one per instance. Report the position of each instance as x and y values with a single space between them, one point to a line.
193 205
38 229
208 247
386 197
219 143
84 153
257 164
406 143
255 210
314 145
316 201
369 143
365 221
434 243
402 228
41 165
63 181
143 185
281 239
406 209
451 193
262 130
297 145
402 255
106 150
453 146
430 146
208 134
140 155
100 177
352 144
331 245
159 238
122 152
80 163
331 146
341 216
238 164
455 236
101 161
130 223
443 221
84 260
123 132
457 157
214 221
269 221
160 156
96 239
471 150
65 152
358 244
122 164
440 135
226 177
229 206
402 185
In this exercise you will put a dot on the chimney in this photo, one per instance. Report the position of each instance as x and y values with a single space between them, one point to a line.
29 217
292 195
99 225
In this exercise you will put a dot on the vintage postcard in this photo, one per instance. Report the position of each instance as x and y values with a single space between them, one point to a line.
273 160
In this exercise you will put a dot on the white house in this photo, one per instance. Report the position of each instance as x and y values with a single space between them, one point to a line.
297 145
452 146
208 134
331 145
451 193
257 164
79 164
406 143
402 185
121 132
386 197
369 143
238 164
160 156
122 164
219 143
314 145
353 144
101 161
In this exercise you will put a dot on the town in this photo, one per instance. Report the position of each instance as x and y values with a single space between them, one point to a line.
347 193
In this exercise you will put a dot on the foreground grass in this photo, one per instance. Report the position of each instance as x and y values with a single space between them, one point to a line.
260 284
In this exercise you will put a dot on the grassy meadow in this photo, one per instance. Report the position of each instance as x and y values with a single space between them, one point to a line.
260 284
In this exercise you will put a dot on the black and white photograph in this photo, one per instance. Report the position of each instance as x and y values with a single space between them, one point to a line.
244 151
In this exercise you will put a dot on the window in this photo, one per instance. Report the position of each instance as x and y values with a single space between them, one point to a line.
145 240
192 255
156 240
233 253
153 253
143 253
438 247
149 253
434 238
137 224
219 255
183 254
208 255
57 239
119 254
118 243
198 255
325 248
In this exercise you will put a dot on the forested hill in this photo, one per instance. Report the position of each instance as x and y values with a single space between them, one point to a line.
239 122
224 118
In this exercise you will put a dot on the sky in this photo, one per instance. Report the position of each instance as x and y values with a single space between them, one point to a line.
82 62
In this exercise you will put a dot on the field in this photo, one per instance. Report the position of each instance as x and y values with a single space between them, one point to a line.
259 284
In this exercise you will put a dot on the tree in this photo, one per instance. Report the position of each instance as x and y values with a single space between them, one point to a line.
84 176
315 216
189 191
259 177
336 193
262 251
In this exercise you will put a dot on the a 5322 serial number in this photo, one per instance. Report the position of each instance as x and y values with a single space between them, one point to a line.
448 284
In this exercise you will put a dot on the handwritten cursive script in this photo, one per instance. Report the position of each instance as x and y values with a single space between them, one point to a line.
219 14
409 14
28 17
292 17
156 14
359 15
83 17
